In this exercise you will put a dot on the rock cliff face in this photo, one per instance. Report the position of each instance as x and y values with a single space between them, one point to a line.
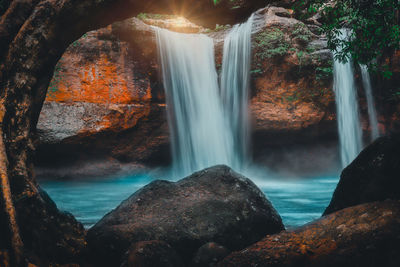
106 102
293 103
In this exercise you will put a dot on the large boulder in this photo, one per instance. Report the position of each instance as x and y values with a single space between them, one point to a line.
208 255
50 236
152 253
366 235
374 175
213 205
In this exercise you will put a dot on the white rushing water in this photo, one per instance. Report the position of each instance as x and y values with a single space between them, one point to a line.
235 83
200 134
350 132
373 121
208 126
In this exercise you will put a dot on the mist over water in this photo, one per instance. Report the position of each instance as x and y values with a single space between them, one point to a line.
373 121
349 126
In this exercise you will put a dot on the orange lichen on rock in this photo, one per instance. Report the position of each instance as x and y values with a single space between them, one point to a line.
98 82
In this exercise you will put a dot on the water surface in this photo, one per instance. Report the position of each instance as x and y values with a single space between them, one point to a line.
298 201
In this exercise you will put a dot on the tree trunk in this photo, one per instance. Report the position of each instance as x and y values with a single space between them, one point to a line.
9 210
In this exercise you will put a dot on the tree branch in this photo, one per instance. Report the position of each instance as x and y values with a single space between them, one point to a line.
5 190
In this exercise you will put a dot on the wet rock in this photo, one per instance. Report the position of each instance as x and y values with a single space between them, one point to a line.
290 92
105 90
213 205
4 258
209 255
152 253
49 235
372 176
366 235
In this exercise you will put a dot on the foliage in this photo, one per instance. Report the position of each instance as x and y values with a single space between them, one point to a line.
374 24
143 16
303 57
323 73
270 43
218 27
302 33
58 77
394 95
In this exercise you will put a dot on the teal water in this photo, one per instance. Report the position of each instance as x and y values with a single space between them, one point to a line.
298 201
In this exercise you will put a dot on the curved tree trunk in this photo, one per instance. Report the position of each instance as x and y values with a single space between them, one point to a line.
9 210
33 36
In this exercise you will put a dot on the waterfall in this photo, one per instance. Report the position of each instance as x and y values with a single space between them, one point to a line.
350 132
373 121
200 134
235 82
208 126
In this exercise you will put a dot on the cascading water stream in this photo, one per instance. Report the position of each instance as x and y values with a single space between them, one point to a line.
208 127
373 121
200 134
235 82
350 132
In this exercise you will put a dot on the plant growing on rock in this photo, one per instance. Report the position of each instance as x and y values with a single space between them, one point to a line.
301 33
375 29
271 43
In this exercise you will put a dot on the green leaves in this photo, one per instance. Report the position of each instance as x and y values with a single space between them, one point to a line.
374 24
270 43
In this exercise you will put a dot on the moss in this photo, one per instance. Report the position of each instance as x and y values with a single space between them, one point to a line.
75 44
143 16
58 76
323 73
271 43
301 33
218 28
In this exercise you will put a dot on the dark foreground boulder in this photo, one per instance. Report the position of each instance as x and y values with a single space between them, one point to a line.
50 236
366 235
213 205
153 253
209 255
373 176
